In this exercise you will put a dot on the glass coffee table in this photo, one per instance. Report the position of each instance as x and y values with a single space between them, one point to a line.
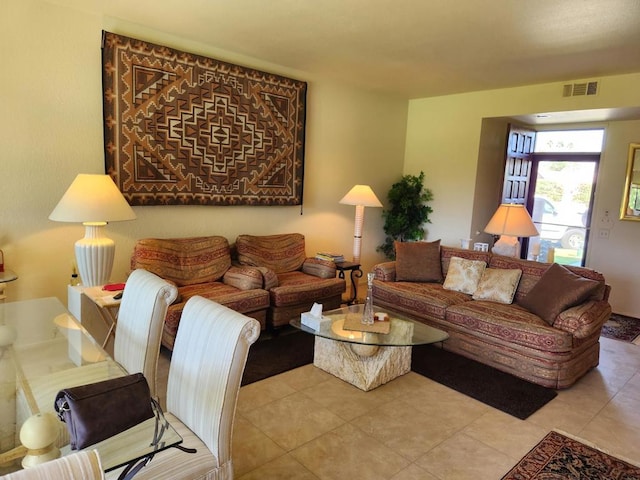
367 356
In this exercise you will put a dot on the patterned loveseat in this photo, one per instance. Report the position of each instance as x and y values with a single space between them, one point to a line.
294 280
546 329
201 266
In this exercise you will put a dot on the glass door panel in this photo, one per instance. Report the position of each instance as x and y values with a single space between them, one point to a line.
561 211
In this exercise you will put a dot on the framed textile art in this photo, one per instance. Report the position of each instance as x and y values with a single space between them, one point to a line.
182 129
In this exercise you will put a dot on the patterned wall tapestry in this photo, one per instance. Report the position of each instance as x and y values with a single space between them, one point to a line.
182 129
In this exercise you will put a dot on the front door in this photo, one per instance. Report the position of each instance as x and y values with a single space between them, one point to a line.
561 207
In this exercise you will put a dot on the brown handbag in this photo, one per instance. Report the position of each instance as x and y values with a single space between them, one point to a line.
97 411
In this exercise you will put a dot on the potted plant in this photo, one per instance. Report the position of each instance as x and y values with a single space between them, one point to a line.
408 212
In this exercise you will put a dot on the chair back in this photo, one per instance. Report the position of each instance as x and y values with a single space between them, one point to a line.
83 465
207 364
184 261
143 309
281 253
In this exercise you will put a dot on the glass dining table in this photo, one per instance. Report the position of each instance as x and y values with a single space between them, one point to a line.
44 349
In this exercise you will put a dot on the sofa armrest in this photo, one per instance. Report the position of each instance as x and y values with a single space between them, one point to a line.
243 278
269 278
319 268
584 320
385 272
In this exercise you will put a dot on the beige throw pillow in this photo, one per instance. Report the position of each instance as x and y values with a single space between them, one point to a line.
498 285
464 275
418 262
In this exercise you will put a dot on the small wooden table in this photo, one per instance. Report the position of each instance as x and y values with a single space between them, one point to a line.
108 308
356 272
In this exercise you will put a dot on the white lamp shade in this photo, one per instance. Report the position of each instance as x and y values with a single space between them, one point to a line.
513 220
361 195
92 198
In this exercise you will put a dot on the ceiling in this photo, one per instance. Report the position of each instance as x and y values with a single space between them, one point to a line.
410 48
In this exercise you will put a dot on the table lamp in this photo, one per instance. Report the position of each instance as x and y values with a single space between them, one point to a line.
93 200
361 196
510 222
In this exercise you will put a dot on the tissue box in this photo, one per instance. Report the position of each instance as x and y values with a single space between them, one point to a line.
313 321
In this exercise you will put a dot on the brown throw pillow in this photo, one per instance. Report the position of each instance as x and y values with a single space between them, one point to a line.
418 262
558 289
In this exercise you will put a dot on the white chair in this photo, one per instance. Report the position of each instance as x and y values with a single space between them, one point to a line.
143 309
208 360
84 465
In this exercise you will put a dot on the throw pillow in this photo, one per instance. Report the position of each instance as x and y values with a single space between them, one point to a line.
464 275
418 262
558 289
498 285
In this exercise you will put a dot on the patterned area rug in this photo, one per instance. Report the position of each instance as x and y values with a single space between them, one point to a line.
558 457
621 327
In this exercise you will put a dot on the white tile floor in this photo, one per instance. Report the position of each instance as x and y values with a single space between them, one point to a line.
307 424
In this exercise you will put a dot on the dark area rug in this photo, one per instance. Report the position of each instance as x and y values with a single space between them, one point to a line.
492 387
270 356
558 457
292 349
621 327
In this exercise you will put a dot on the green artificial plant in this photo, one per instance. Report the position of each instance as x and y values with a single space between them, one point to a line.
408 212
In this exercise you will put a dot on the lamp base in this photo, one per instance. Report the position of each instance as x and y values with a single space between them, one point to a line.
507 245
94 255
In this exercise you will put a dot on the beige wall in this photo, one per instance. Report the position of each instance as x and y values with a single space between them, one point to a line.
449 137
51 119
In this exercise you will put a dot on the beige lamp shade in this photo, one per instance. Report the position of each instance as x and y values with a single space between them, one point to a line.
361 196
511 219
510 222
93 200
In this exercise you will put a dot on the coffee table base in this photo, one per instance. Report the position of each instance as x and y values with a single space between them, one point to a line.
367 370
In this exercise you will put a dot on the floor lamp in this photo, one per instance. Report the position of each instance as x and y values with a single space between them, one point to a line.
510 222
361 196
93 200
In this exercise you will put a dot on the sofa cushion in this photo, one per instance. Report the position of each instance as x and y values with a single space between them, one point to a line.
508 324
557 290
423 299
243 301
464 275
184 261
296 288
281 253
498 285
418 262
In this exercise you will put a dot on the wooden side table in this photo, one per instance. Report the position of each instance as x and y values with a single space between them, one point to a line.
355 273
104 303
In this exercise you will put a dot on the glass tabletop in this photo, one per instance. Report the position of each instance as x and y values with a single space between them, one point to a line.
7 276
344 325
44 349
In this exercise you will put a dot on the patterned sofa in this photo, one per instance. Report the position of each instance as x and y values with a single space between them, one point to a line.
294 281
546 329
201 266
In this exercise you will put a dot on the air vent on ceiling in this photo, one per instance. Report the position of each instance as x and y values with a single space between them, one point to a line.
580 89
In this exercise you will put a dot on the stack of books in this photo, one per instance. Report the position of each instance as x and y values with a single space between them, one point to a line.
332 257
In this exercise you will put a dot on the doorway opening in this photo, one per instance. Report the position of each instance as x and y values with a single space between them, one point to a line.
563 179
